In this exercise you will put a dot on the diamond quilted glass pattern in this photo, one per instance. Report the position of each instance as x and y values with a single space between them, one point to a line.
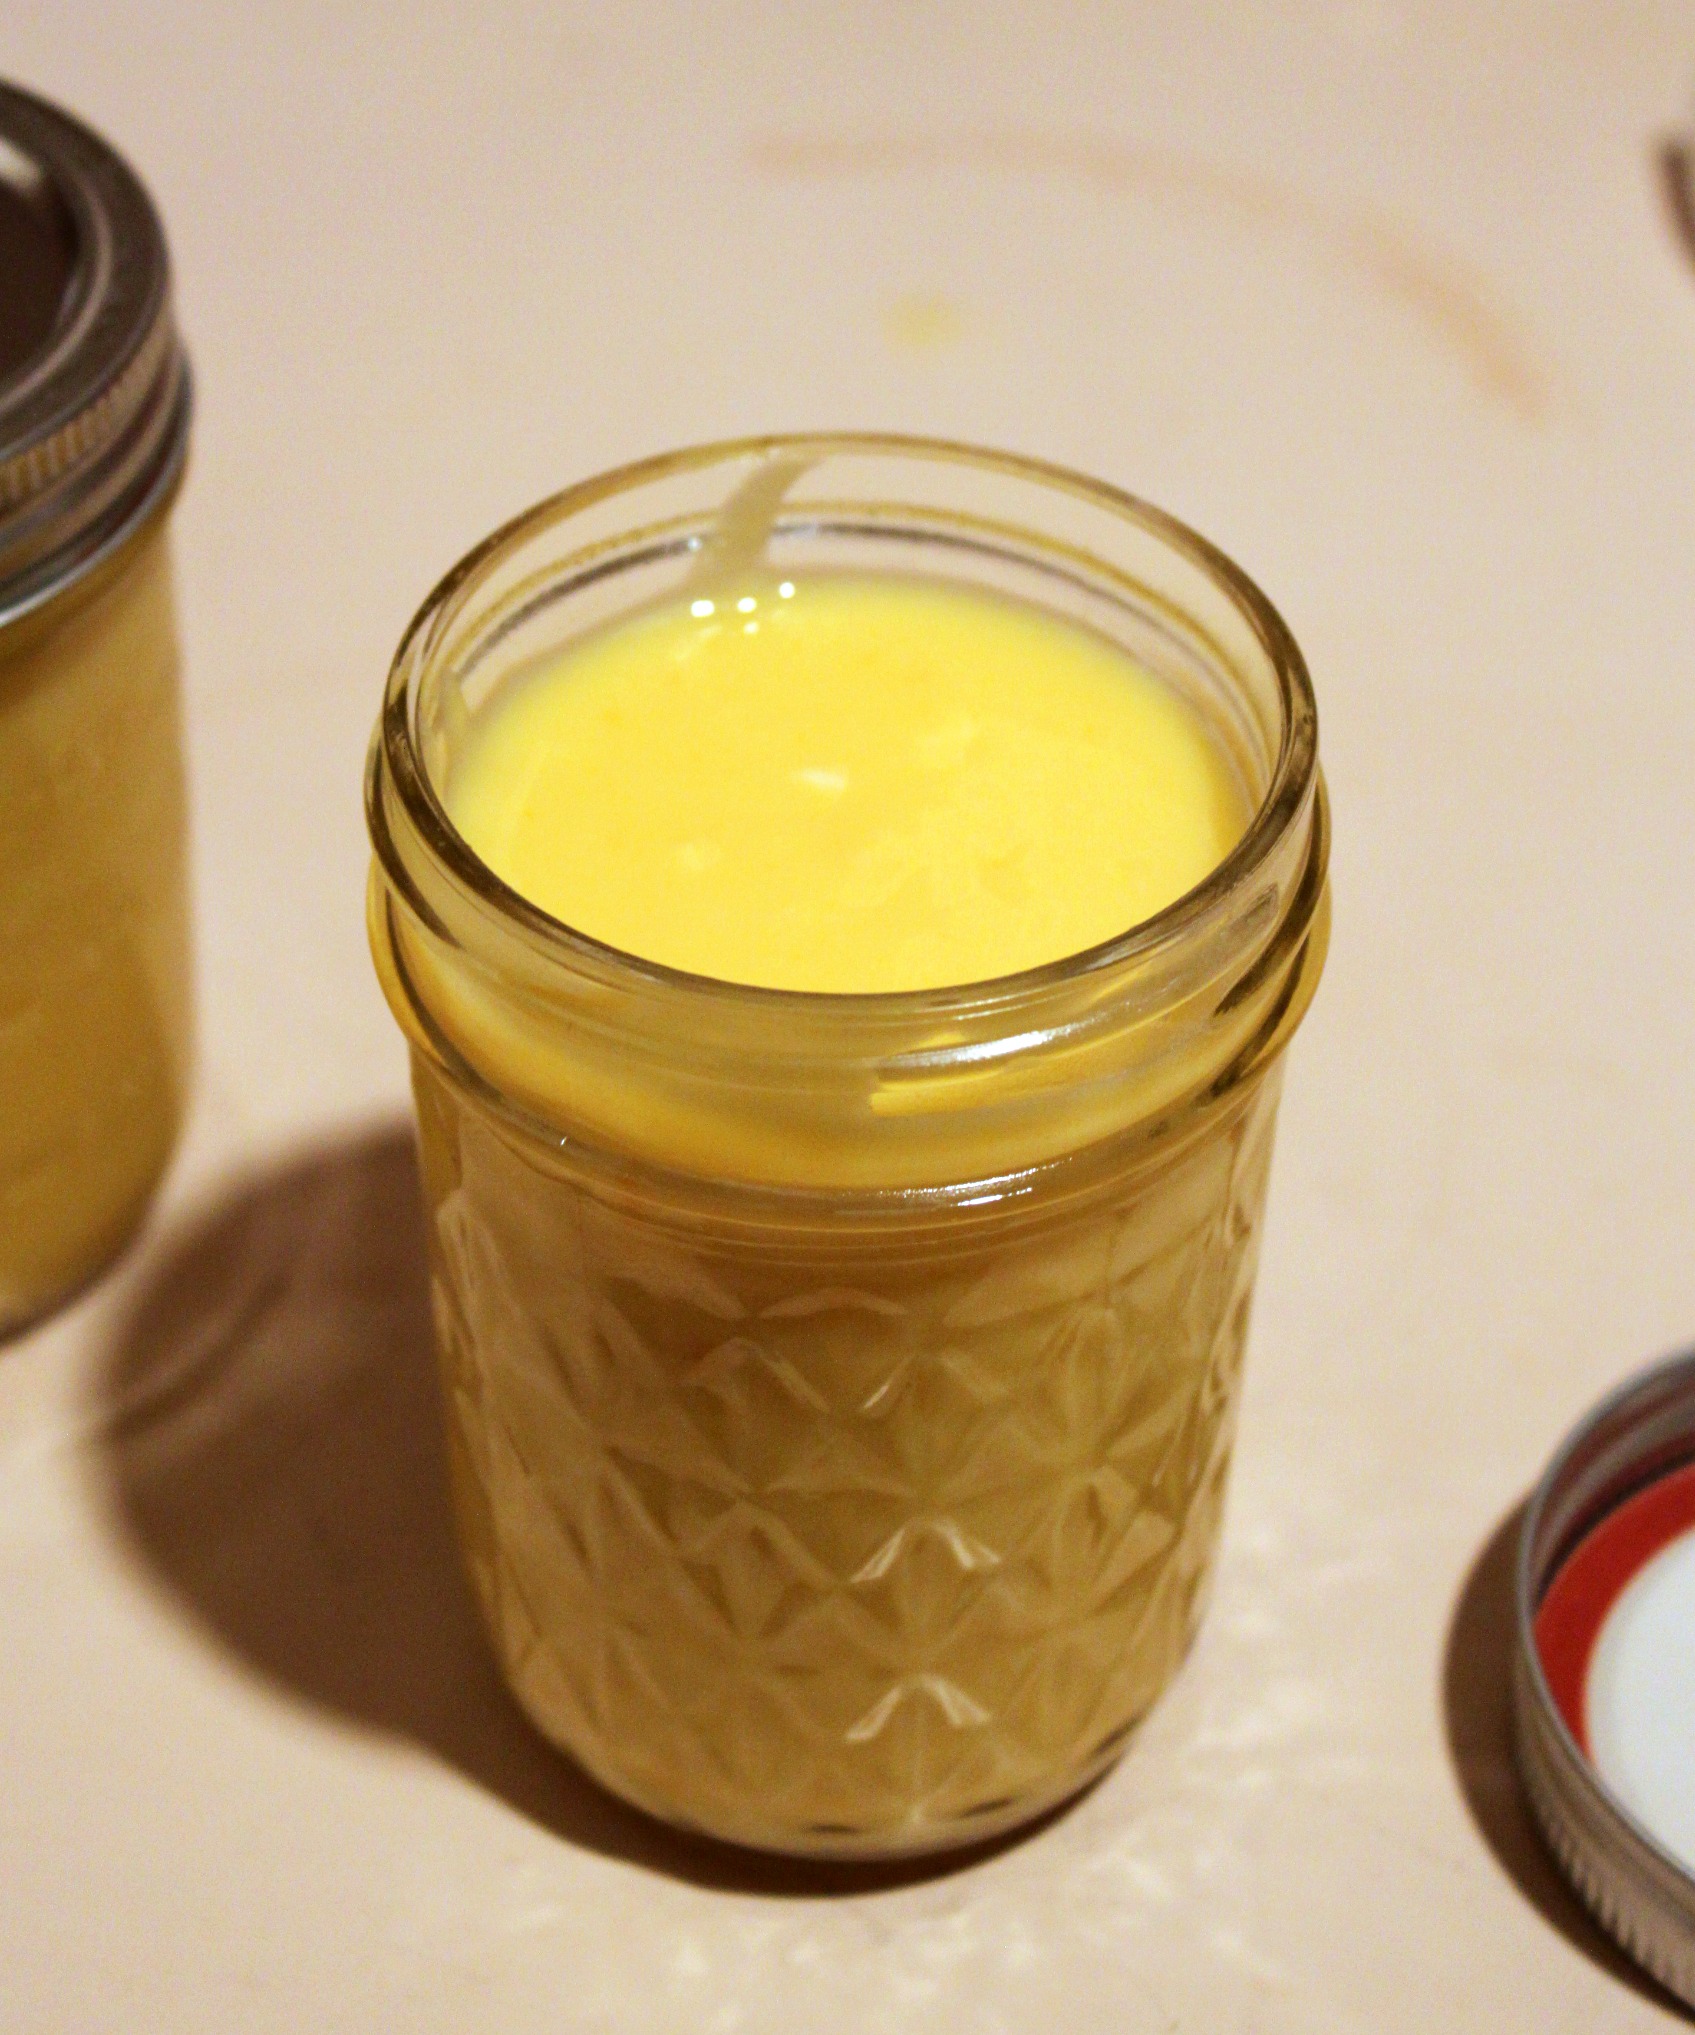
826 1541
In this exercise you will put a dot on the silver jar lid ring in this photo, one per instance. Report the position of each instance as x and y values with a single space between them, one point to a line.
93 385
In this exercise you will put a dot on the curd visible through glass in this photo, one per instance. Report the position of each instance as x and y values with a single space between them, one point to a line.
94 955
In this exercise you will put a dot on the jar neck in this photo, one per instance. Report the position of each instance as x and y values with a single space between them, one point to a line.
969 1096
570 1041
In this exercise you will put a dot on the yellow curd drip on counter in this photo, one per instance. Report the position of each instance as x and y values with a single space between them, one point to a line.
847 784
829 1522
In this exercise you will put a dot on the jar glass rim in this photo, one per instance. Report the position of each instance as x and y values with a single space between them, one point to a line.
1292 783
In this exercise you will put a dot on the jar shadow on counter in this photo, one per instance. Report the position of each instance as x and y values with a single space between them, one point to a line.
272 1443
1477 1714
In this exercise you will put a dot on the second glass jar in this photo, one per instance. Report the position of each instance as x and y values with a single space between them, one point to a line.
95 963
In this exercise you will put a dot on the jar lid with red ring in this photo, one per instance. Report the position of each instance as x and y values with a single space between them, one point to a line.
1604 1665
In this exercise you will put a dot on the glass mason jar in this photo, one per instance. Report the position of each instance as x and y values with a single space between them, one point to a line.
840 1388
94 941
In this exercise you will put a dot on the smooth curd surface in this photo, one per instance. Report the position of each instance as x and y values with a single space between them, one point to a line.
847 784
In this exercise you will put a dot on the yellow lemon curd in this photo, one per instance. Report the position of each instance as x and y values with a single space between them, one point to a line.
94 942
839 1449
847 784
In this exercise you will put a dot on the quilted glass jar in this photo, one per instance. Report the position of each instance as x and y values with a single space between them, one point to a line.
840 1389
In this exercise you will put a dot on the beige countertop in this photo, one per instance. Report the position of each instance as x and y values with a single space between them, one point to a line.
1388 300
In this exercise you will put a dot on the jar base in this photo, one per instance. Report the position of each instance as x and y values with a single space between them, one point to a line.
912 1844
